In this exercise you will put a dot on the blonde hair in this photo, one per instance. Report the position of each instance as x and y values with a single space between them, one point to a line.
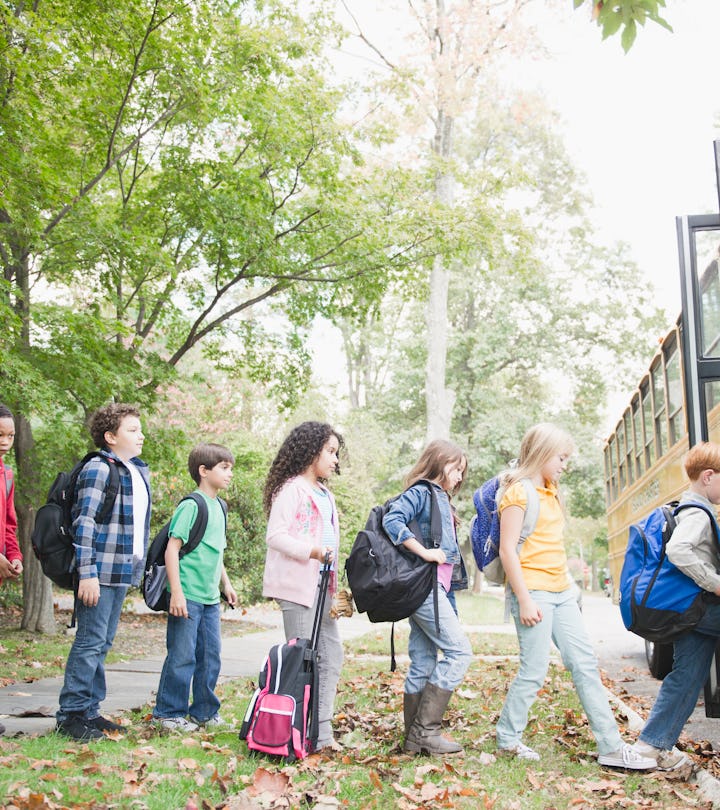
433 460
701 457
539 444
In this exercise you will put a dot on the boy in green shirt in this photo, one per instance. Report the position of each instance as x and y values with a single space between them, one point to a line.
195 580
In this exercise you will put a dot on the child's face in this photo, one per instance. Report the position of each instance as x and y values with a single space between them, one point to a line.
453 474
713 487
327 461
7 434
127 441
219 476
554 467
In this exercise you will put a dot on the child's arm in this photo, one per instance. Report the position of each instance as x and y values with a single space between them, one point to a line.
227 588
12 549
178 604
511 522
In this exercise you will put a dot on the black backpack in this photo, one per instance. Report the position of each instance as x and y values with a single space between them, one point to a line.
154 584
388 582
52 536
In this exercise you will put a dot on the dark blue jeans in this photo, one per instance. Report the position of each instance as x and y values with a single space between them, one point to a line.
84 686
680 689
193 658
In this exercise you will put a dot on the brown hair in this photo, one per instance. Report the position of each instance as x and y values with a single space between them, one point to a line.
207 455
433 460
704 456
108 419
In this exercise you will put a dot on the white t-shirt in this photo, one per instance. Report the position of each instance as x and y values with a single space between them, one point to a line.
140 507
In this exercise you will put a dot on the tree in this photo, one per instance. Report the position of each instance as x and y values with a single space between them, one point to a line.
170 170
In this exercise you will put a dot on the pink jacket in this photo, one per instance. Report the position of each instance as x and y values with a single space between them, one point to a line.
294 527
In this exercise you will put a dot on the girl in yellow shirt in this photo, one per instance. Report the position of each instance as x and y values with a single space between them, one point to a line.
544 604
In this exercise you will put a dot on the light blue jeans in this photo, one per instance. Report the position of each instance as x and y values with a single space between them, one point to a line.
84 686
424 643
297 623
193 657
680 689
562 624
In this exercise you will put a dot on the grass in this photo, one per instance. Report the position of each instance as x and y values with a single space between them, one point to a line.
161 771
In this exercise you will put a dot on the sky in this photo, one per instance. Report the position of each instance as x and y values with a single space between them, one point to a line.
639 126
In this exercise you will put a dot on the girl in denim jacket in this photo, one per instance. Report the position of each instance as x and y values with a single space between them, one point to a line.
430 682
302 529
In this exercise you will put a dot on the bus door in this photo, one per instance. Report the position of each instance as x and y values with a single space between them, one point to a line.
699 254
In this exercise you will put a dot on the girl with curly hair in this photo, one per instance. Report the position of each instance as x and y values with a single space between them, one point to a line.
302 529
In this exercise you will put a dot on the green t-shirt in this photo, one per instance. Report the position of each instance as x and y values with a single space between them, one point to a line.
200 570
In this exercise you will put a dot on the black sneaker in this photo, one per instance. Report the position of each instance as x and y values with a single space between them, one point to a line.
103 724
77 727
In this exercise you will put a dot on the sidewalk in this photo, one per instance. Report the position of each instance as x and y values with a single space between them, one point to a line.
29 708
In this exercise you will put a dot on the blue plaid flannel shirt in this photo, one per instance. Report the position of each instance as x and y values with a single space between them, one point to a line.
106 551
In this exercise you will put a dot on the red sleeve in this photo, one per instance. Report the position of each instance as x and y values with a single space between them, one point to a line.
12 549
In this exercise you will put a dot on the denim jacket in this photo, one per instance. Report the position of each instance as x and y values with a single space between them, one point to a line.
415 503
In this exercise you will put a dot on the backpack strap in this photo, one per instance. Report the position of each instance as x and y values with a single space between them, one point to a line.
112 488
532 511
197 531
436 540
697 505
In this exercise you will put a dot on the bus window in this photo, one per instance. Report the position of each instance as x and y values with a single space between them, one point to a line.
620 450
712 399
676 417
630 452
608 476
710 309
648 422
637 435
613 469
659 413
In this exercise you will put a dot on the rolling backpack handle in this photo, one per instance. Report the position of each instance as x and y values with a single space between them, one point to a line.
323 589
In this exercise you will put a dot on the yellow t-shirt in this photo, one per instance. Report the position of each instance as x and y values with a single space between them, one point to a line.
542 556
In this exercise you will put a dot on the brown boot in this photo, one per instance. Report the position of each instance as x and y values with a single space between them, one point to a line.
424 736
411 701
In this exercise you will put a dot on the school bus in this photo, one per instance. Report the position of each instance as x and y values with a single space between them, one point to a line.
675 405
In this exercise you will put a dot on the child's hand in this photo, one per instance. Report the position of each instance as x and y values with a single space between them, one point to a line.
89 591
18 566
436 555
6 568
318 553
230 595
530 614
178 605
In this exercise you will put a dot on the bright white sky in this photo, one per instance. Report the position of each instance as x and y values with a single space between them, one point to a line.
639 126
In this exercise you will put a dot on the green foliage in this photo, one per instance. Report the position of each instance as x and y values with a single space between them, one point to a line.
624 16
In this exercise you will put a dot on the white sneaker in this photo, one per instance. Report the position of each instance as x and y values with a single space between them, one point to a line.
215 721
521 751
627 757
177 724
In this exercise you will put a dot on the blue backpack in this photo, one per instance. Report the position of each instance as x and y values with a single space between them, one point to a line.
657 601
485 526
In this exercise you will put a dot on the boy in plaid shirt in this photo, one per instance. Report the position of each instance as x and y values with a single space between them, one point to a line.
110 558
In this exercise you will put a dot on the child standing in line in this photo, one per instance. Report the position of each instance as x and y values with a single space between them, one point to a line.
302 528
10 557
544 605
430 683
109 558
692 549
195 581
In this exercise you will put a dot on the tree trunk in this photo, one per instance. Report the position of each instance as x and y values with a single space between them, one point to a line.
439 400
38 613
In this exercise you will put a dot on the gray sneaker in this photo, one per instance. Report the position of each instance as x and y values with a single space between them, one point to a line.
627 757
176 723
520 751
672 760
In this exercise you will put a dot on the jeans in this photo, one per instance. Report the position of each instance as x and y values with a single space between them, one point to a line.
298 622
561 623
679 691
193 656
424 643
84 685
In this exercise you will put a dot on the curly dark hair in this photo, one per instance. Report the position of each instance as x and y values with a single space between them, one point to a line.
108 419
301 447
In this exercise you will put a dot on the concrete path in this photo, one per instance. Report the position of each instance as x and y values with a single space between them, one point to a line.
29 708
